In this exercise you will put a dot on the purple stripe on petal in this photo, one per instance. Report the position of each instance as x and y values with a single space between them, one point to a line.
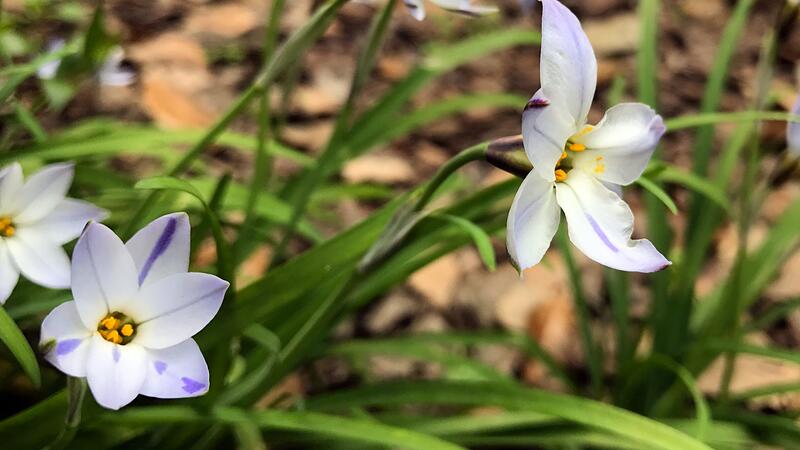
161 246
601 233
67 346
115 353
191 386
160 367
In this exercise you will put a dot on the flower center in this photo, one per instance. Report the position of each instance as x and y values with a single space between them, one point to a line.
565 163
7 228
117 328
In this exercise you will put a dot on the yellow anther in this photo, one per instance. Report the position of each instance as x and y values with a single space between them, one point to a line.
110 323
576 147
127 330
561 175
113 337
6 227
563 156
599 166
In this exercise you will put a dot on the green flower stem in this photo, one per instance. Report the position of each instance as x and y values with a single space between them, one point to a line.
76 392
474 153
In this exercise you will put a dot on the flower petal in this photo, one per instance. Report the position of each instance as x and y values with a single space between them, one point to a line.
532 221
38 258
41 193
176 372
115 373
161 248
176 307
793 130
9 273
600 225
67 339
11 181
546 126
620 146
103 274
67 220
568 68
416 8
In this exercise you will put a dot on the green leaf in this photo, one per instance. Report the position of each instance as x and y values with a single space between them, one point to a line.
598 415
170 183
672 174
482 240
658 193
11 335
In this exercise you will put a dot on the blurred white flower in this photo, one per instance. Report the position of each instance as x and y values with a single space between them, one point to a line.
465 7
580 167
35 221
129 329
111 73
793 131
48 70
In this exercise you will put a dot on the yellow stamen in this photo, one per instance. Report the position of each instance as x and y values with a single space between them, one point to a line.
7 228
599 166
561 175
584 130
577 147
110 323
117 328
563 156
113 337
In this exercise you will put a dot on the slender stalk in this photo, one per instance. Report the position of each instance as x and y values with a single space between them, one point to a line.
474 153
262 171
331 154
76 392
590 349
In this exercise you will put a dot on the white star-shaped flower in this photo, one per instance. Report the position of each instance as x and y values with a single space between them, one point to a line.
579 168
129 329
35 221
465 7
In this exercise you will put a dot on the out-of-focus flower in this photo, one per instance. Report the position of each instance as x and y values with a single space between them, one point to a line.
577 167
793 131
36 219
48 70
111 73
129 329
465 7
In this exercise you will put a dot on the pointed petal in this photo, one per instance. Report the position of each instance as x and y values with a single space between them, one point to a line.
38 258
67 220
568 68
41 193
11 181
546 126
623 141
176 372
9 273
416 8
103 274
793 131
161 248
532 221
115 373
67 338
176 307
600 225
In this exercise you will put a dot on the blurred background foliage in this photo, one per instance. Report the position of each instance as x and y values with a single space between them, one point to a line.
296 132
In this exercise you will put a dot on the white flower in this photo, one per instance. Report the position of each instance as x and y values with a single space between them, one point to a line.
465 7
793 131
580 167
35 221
129 329
110 73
